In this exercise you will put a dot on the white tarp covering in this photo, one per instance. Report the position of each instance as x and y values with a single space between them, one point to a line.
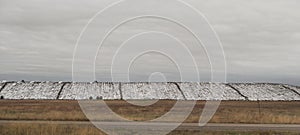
127 91
31 90
83 90
296 88
2 84
150 91
209 91
264 91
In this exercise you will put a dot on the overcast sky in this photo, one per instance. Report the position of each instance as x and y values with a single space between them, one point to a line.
260 40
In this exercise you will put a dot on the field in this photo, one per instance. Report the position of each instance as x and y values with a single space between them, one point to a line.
65 116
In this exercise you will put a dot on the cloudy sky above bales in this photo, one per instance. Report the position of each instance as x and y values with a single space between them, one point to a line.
261 41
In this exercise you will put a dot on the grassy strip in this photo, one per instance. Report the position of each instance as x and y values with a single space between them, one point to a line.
58 129
228 111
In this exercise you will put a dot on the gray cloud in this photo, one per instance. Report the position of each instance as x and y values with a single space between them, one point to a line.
260 39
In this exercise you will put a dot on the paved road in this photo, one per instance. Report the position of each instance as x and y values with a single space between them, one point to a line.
184 126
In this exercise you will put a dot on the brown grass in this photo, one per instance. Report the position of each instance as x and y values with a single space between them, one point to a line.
54 129
69 110
228 111
141 113
192 132
40 110
48 129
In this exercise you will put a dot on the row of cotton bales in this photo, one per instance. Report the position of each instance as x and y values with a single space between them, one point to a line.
142 90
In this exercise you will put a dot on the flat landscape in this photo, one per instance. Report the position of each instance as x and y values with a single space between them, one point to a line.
50 108
232 117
